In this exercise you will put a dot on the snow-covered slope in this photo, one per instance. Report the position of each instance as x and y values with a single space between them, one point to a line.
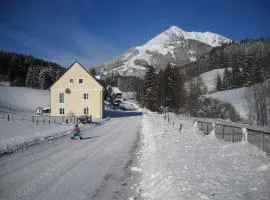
236 98
209 78
171 46
21 98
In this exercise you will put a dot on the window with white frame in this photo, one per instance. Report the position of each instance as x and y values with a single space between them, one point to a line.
85 95
80 80
62 111
71 80
61 97
86 111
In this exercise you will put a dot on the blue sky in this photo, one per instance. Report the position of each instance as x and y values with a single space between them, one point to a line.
95 31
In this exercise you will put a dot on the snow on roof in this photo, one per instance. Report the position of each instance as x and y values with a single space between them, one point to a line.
116 90
128 95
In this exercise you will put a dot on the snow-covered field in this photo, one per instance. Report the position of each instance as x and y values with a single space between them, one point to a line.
17 135
189 165
236 98
21 98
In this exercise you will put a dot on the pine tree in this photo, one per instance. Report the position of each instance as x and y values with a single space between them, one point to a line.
151 87
236 77
170 84
195 91
218 83
226 79
109 93
92 71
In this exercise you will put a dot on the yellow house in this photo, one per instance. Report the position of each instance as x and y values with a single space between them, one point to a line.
77 93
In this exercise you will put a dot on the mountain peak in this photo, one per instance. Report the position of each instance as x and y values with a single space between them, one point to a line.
173 45
175 29
174 32
209 38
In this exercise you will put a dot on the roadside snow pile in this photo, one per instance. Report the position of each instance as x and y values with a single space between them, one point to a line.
24 98
18 135
190 165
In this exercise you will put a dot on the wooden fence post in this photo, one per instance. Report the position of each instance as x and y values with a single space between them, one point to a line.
223 132
261 141
49 120
206 128
180 128
33 119
233 134
37 121
8 117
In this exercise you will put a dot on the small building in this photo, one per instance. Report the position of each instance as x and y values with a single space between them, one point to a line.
39 110
77 93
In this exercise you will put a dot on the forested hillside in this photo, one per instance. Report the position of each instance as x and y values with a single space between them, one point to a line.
25 70
248 59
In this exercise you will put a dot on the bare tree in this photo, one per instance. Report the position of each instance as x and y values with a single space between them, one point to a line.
258 97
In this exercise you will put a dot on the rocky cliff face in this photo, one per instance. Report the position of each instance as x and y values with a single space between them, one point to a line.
171 46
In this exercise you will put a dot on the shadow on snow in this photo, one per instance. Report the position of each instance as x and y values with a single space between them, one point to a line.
111 113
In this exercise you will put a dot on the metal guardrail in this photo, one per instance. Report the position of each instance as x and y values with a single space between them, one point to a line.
234 133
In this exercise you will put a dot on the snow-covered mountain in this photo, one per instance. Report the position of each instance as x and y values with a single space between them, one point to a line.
171 46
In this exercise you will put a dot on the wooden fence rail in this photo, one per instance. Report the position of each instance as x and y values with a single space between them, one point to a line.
36 119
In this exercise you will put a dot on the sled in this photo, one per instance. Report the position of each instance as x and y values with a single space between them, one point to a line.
76 135
76 138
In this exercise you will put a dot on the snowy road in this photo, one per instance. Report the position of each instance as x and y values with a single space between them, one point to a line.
66 169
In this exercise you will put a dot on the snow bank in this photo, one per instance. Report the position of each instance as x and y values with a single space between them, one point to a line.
190 165
18 135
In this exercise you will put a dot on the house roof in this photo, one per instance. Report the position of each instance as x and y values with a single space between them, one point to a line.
71 67
116 90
